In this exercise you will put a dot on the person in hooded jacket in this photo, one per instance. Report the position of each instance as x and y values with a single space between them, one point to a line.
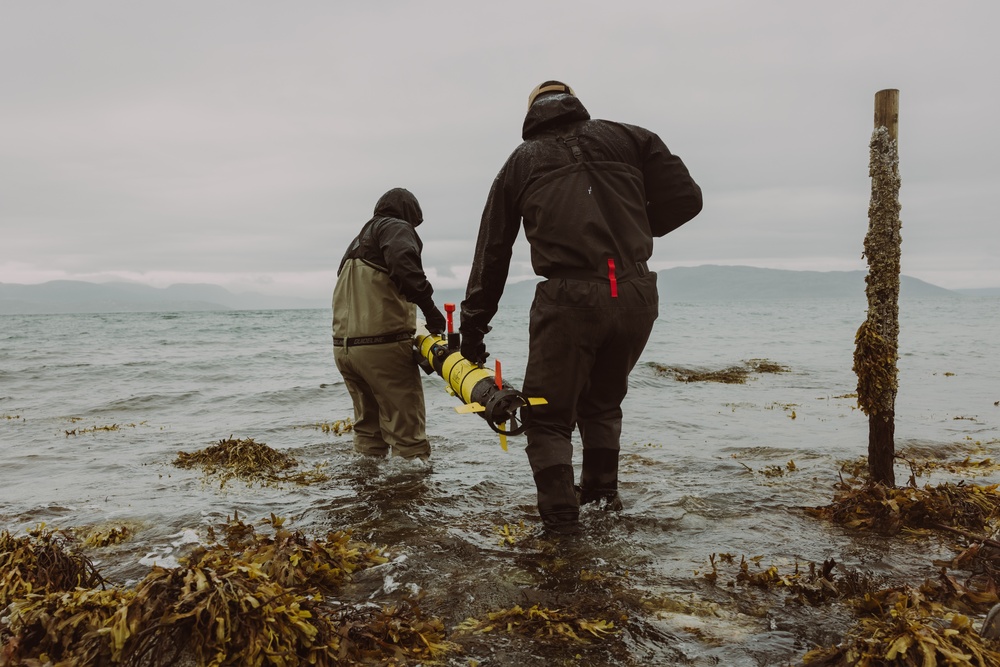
592 195
380 284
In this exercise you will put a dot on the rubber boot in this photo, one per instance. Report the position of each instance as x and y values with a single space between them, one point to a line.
557 502
599 479
606 498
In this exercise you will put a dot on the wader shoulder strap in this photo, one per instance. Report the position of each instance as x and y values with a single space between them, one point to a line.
361 248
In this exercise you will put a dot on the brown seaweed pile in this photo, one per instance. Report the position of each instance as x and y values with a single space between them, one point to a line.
888 510
730 375
248 461
249 599
903 627
399 634
40 563
927 625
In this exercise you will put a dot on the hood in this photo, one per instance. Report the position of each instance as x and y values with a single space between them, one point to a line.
400 203
551 110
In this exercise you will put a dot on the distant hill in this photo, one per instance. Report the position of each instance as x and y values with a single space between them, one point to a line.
74 296
688 284
980 291
744 283
747 283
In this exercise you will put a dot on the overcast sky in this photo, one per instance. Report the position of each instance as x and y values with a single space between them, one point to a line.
245 143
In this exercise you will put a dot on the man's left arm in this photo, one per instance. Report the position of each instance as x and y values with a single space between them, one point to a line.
672 195
401 249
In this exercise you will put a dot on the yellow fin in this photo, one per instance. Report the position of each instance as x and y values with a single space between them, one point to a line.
537 401
469 407
503 438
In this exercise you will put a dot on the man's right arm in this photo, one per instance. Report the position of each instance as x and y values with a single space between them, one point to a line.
498 230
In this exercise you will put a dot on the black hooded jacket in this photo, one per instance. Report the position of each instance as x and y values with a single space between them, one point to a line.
588 191
389 243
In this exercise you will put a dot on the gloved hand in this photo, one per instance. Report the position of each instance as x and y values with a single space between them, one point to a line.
473 348
435 320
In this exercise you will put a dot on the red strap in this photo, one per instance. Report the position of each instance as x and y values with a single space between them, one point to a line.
611 277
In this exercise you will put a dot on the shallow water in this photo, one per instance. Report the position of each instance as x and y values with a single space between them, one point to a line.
699 474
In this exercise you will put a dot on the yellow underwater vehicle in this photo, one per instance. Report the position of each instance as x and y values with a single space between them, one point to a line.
480 390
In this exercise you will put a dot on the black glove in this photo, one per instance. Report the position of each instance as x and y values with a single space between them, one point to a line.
435 320
473 348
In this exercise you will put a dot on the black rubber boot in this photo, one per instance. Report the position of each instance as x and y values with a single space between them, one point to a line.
599 479
557 502
606 498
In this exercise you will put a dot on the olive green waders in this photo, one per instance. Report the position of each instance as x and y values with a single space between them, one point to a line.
385 386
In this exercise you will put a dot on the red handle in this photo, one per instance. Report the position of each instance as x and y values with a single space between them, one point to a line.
450 309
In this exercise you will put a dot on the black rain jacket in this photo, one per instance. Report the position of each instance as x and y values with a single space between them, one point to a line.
381 277
587 191
389 243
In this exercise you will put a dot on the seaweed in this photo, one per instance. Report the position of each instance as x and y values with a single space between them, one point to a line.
109 536
540 623
294 560
226 612
65 628
248 461
808 584
107 428
730 375
888 510
510 534
41 562
250 598
338 427
766 366
927 625
902 626
967 466
399 632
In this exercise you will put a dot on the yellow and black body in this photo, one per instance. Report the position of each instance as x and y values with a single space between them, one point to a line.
479 389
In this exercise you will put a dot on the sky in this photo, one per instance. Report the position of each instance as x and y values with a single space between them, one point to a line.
244 143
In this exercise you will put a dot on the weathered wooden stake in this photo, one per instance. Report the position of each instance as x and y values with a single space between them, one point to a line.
877 340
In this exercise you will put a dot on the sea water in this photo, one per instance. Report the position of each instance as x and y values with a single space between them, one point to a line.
95 407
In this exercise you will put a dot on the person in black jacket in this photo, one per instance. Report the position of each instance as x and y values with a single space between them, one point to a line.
592 195
380 283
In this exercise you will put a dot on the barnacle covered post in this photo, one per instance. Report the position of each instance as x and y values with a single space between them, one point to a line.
877 339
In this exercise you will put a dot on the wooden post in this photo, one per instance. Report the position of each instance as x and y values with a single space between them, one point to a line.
877 340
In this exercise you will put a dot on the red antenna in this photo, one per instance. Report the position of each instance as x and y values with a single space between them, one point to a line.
499 375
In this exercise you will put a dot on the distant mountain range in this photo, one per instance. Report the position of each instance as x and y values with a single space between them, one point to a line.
74 296
690 284
747 283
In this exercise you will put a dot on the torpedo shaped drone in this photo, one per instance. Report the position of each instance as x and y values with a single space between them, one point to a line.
480 391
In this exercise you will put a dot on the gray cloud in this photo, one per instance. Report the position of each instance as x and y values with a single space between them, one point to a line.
246 143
